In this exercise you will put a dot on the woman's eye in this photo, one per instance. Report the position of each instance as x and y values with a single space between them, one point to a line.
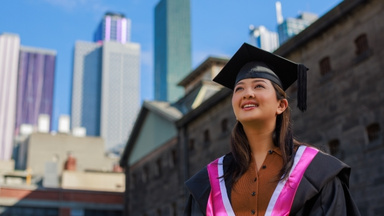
238 88
259 86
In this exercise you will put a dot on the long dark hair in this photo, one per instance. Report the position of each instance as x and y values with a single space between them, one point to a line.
282 138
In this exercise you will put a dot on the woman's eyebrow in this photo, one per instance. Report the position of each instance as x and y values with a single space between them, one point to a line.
255 81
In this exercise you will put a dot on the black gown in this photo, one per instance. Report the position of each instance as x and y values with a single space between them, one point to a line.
323 189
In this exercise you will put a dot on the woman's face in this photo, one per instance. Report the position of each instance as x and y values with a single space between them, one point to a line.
254 99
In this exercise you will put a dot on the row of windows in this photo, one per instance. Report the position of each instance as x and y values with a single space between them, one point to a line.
224 126
362 49
373 135
157 169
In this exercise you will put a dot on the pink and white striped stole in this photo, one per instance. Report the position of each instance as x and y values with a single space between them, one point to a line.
282 198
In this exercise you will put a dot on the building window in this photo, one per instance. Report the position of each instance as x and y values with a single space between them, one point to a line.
174 157
191 144
145 175
361 43
174 209
158 167
373 131
325 66
207 137
334 146
224 125
133 180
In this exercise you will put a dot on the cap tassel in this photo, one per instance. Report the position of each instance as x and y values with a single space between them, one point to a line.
302 87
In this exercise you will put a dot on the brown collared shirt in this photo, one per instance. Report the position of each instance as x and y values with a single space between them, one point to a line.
250 195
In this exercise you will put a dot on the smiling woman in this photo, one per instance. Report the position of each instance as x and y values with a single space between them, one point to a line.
268 172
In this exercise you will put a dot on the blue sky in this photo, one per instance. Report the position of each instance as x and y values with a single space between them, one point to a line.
218 28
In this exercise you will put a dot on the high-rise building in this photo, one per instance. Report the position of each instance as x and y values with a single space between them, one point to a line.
172 54
120 91
262 38
292 26
35 85
9 57
113 27
106 89
86 87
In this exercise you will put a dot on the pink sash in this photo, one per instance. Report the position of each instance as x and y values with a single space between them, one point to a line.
282 198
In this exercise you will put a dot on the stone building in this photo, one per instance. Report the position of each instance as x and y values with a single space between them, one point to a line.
345 116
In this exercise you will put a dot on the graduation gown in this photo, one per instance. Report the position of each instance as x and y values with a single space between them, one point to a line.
323 189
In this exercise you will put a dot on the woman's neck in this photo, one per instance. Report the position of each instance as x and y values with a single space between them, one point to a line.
260 139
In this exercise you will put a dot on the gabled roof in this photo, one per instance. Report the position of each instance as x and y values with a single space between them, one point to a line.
202 68
163 109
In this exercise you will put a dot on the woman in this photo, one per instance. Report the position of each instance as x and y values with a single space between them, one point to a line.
267 172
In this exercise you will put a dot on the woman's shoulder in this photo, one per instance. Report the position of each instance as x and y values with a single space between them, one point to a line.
325 167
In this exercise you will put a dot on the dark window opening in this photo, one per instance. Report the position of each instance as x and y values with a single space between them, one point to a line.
224 125
191 144
174 156
334 146
325 66
158 167
207 137
361 43
373 131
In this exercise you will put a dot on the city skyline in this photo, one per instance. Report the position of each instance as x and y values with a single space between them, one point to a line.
69 21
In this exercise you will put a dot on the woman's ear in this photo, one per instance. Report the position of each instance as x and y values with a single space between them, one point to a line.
283 105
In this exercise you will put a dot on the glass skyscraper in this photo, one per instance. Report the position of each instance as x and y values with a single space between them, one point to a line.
9 57
172 54
35 85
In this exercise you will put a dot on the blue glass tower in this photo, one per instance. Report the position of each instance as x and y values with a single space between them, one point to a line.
172 54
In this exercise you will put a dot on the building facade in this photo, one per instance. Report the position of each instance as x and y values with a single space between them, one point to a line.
9 57
262 38
35 86
61 175
344 52
172 55
113 27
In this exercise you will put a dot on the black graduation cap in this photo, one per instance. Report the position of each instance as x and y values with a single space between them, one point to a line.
252 62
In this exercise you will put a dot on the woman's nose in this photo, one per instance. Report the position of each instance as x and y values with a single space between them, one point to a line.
248 93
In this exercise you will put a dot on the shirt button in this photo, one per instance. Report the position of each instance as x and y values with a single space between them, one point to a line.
253 211
253 193
264 166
